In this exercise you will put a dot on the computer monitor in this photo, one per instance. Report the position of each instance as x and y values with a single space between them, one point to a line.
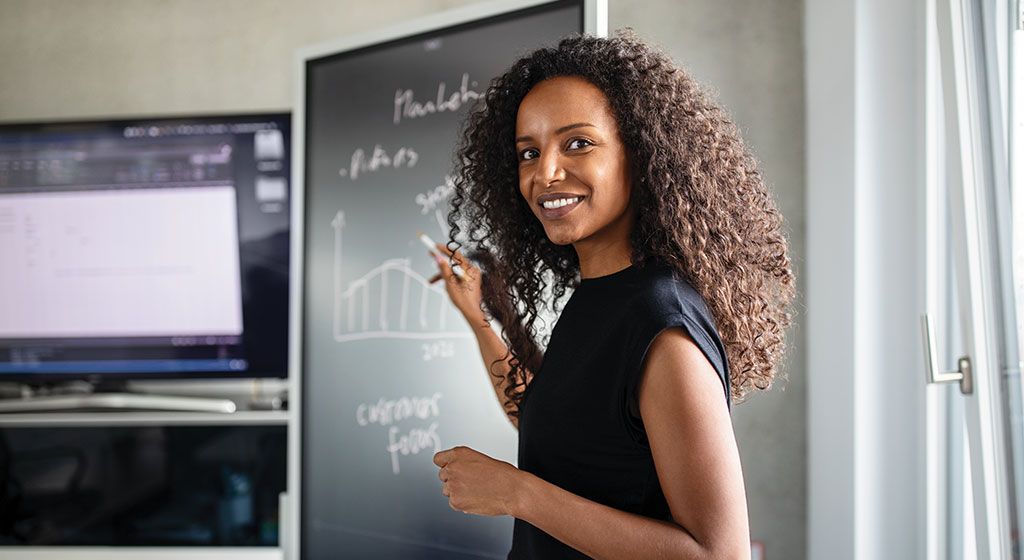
144 248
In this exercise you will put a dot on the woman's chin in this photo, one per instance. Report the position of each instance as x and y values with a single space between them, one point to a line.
560 238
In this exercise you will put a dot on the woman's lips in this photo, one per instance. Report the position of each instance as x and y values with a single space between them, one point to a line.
555 213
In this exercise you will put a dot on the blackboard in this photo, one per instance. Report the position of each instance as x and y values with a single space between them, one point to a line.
390 372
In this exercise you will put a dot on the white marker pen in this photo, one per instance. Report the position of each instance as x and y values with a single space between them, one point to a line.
432 247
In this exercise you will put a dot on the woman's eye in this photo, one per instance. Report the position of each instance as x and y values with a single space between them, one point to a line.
577 143
527 154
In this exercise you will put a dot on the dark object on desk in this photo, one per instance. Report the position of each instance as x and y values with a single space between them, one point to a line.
141 486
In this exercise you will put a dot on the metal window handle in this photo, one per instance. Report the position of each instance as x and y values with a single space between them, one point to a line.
932 374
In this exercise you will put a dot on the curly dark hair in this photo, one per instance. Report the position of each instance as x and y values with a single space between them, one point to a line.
702 206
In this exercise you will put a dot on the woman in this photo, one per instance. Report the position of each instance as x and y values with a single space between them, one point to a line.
599 168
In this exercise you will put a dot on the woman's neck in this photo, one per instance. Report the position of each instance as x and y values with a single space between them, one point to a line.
601 259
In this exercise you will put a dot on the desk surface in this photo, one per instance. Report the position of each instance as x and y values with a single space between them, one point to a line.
141 553
244 417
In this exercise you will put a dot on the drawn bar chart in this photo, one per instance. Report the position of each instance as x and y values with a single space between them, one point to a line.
389 301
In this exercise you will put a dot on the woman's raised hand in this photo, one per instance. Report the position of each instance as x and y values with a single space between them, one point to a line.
463 289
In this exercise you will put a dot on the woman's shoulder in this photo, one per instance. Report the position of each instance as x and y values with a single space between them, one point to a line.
662 290
669 300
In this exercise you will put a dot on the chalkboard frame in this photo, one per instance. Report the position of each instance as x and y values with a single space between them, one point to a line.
594 22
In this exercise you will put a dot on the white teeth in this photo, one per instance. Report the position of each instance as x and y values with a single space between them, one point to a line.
552 204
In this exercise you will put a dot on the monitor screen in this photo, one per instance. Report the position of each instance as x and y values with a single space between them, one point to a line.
153 248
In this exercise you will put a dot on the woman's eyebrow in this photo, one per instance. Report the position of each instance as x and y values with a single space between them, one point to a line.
572 126
565 128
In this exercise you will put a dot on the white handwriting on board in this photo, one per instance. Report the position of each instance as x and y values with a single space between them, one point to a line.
440 349
406 106
360 163
430 200
411 443
387 412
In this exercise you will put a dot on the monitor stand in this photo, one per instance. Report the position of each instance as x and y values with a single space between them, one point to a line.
110 398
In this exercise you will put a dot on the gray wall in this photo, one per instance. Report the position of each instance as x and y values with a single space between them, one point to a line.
98 58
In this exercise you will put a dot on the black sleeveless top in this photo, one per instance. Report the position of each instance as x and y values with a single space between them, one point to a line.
576 430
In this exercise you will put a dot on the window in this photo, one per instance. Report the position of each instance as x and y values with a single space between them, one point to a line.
975 266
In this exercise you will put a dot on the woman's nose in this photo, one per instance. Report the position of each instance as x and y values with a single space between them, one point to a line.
550 169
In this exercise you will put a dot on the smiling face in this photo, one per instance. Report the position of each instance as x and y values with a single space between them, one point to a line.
573 168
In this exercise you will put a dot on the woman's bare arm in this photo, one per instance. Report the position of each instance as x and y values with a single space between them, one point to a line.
690 433
465 294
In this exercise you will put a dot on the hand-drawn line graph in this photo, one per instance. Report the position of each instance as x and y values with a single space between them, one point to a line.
362 310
